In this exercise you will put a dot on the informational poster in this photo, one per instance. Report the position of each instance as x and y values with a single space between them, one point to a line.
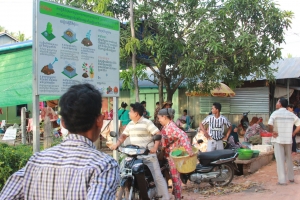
74 46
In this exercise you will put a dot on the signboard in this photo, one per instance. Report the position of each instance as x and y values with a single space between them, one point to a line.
75 46
10 134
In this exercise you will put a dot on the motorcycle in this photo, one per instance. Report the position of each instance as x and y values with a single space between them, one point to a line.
215 167
136 178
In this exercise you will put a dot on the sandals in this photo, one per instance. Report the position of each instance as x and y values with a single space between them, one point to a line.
281 183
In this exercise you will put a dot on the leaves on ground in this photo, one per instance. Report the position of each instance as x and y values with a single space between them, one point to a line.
218 191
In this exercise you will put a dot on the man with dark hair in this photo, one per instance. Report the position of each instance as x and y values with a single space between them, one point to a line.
140 131
216 123
74 169
281 124
146 113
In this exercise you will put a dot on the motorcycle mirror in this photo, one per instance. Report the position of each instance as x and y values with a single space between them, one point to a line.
246 113
156 137
113 134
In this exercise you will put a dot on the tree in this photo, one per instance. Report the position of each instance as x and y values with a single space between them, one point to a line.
237 39
211 40
49 28
2 28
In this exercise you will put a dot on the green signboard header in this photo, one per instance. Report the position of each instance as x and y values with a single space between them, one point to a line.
79 16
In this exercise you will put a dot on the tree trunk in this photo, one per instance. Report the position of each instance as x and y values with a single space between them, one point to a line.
136 84
160 91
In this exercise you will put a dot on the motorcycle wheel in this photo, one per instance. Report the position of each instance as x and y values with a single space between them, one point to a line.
227 172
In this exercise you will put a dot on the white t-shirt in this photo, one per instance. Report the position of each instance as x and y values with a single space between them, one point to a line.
283 122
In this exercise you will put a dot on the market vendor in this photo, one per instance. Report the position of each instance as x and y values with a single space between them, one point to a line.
172 137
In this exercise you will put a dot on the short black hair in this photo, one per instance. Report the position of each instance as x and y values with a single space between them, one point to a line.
217 106
138 107
283 102
157 103
143 102
290 106
79 107
185 110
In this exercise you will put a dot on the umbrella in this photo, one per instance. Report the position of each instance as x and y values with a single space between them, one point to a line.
221 91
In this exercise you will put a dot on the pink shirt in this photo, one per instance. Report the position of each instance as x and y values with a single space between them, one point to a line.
171 133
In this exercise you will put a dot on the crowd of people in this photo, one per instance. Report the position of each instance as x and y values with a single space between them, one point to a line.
75 169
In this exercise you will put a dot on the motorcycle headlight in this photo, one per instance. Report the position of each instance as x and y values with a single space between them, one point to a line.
131 151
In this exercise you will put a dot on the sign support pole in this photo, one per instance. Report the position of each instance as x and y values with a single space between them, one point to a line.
116 124
35 97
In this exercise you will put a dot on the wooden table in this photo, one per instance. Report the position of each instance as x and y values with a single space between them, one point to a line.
254 164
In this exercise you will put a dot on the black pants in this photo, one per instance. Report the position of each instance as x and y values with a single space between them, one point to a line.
294 145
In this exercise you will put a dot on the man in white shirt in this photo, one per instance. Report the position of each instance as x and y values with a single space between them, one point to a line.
215 133
281 125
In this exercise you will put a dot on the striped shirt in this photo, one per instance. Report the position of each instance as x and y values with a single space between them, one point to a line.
141 132
283 121
73 170
216 126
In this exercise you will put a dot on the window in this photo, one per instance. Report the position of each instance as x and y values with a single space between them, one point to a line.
19 109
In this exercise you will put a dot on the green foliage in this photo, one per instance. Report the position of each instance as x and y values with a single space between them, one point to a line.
211 41
12 158
236 39
103 7
126 76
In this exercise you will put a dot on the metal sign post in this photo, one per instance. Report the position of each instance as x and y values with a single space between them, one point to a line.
35 97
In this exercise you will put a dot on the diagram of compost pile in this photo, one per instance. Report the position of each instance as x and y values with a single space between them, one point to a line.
69 71
87 40
69 36
48 69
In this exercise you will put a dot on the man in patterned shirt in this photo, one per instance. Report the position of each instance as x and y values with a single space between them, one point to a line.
75 169
215 133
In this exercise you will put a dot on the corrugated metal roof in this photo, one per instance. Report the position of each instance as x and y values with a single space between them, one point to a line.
287 68
4 33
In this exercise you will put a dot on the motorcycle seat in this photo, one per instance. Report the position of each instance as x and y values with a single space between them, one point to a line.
215 155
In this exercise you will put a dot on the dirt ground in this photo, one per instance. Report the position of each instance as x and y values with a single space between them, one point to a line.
260 185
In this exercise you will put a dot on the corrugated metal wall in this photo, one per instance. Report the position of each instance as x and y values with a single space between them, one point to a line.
255 100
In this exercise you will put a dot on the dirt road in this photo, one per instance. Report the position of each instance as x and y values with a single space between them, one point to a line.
260 185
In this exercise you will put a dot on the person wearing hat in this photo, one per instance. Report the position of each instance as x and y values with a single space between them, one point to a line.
173 136
167 104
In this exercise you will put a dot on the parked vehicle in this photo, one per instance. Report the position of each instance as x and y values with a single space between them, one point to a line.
136 178
215 167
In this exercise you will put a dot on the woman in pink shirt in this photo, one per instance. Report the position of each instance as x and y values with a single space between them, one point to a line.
172 137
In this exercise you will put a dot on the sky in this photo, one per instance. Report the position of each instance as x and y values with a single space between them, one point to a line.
16 15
